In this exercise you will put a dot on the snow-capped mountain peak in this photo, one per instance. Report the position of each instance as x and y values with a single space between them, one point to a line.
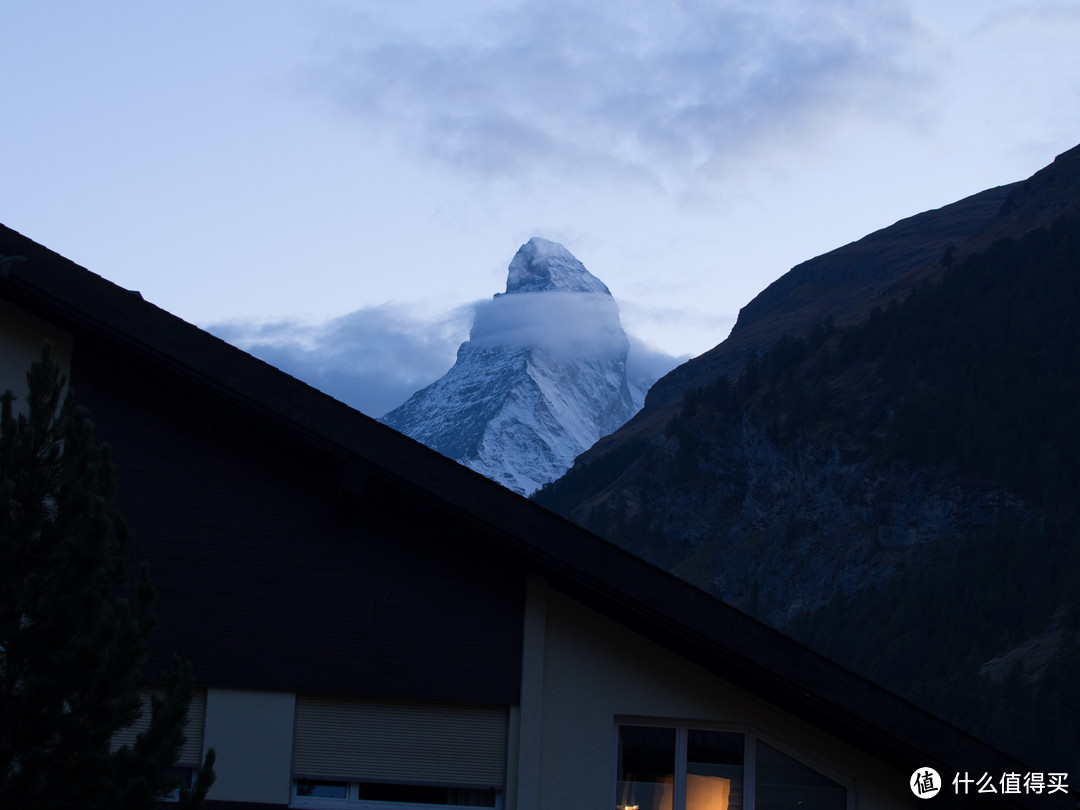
540 380
541 265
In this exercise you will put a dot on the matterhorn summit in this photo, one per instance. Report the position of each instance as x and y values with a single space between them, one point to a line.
541 378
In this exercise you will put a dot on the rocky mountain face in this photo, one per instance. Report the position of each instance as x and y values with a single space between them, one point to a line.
780 529
718 506
542 377
882 460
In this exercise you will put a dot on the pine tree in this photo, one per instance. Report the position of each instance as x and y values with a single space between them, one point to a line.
74 622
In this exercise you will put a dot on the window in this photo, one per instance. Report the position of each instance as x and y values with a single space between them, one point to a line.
683 768
359 753
783 781
380 796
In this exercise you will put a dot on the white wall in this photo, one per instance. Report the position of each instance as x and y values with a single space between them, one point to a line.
21 336
595 670
251 734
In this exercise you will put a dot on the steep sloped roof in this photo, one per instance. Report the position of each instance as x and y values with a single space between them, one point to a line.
653 602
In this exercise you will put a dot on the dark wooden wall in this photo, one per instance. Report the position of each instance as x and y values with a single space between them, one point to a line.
271 577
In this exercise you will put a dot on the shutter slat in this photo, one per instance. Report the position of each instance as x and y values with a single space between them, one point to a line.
400 741
191 751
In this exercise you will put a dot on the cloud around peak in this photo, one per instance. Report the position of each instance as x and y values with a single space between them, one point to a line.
372 359
375 358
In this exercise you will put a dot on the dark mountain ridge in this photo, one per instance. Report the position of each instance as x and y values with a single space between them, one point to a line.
884 459
847 283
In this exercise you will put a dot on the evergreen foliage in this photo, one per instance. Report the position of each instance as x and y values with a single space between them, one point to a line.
976 376
74 622
978 373
956 639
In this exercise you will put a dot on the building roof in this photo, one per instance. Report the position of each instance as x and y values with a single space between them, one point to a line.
660 606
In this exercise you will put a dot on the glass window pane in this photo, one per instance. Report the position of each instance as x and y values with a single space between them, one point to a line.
646 775
714 770
427 794
322 790
784 783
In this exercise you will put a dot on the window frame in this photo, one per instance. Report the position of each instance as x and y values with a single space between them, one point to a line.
751 736
352 800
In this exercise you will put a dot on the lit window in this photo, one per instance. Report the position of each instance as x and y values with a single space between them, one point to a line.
681 768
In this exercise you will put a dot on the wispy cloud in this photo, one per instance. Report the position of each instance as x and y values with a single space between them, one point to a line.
372 359
645 89
645 364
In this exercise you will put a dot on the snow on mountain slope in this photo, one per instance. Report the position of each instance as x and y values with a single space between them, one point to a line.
541 378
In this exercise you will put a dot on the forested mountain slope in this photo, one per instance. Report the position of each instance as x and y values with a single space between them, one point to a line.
847 283
900 491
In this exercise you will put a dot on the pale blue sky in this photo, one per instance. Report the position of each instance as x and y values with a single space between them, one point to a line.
350 177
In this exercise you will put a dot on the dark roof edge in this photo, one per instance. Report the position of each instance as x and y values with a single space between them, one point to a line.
677 614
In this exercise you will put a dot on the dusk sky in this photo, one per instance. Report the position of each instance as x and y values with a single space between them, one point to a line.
335 185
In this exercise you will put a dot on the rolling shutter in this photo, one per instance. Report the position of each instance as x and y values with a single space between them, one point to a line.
191 752
400 741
